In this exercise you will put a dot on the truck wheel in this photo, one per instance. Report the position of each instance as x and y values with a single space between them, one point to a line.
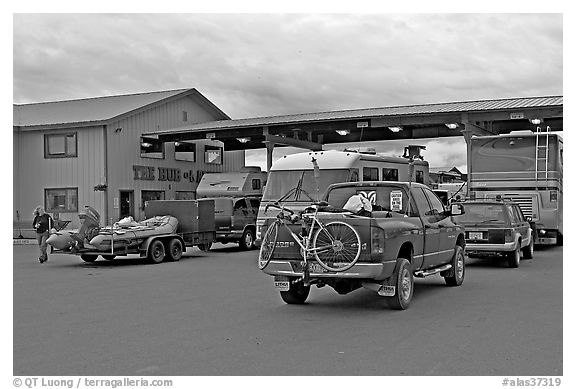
514 257
528 251
175 249
156 252
403 280
108 257
205 247
247 241
297 294
455 276
88 257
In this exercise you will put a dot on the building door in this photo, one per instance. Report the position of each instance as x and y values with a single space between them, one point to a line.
126 203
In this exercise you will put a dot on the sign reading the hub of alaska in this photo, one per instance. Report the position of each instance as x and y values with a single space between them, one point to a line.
165 174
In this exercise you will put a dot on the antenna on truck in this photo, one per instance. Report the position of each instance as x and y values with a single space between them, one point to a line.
411 152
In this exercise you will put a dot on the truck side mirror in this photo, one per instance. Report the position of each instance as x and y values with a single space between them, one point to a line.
456 209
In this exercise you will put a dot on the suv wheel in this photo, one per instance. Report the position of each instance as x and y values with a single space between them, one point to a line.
455 276
297 294
528 251
247 241
403 280
514 257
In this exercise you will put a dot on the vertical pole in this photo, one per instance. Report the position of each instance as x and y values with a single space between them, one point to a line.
467 132
269 151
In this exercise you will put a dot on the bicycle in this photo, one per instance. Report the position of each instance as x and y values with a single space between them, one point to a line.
335 245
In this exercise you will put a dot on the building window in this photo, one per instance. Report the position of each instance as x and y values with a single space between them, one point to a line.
370 174
61 200
389 174
420 176
60 145
184 151
149 195
256 184
184 116
213 155
151 148
185 195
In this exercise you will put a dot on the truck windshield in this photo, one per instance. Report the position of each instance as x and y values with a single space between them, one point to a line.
510 154
300 185
482 213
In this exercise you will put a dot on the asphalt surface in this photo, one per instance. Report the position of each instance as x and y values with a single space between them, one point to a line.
215 313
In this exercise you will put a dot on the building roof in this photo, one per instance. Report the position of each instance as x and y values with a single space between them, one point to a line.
97 110
464 106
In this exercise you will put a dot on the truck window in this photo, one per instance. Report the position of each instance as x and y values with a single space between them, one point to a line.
421 202
240 204
436 205
389 174
370 174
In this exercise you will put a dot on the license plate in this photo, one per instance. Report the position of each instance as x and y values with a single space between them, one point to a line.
315 267
282 286
475 235
387 290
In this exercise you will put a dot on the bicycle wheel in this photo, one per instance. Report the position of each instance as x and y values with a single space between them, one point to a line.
268 245
336 246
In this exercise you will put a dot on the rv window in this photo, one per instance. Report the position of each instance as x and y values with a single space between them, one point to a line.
301 185
420 176
370 174
353 175
256 185
389 174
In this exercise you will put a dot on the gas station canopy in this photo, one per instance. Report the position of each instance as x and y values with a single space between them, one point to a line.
312 130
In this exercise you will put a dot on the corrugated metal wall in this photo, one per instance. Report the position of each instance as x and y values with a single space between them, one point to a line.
124 153
33 173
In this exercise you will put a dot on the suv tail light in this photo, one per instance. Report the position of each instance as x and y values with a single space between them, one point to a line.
508 235
377 240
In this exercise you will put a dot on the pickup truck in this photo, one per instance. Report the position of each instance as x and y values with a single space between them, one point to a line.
408 233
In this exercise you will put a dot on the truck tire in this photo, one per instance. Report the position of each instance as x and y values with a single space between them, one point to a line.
455 275
175 249
88 257
403 280
297 294
514 256
247 240
156 252
528 251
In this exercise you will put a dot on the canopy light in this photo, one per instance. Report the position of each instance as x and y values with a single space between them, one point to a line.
343 132
452 126
536 121
146 144
395 129
243 140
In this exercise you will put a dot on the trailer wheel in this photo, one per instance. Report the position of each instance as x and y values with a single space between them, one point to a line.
175 249
88 257
156 252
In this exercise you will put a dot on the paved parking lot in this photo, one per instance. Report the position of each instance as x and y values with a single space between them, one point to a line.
215 313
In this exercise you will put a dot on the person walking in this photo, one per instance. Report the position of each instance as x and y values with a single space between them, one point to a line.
42 224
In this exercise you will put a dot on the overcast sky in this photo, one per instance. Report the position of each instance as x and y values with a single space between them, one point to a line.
253 65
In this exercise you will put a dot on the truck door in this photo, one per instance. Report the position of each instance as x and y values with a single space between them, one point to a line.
240 215
431 229
447 237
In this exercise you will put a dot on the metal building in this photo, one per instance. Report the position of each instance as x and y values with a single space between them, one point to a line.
91 152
